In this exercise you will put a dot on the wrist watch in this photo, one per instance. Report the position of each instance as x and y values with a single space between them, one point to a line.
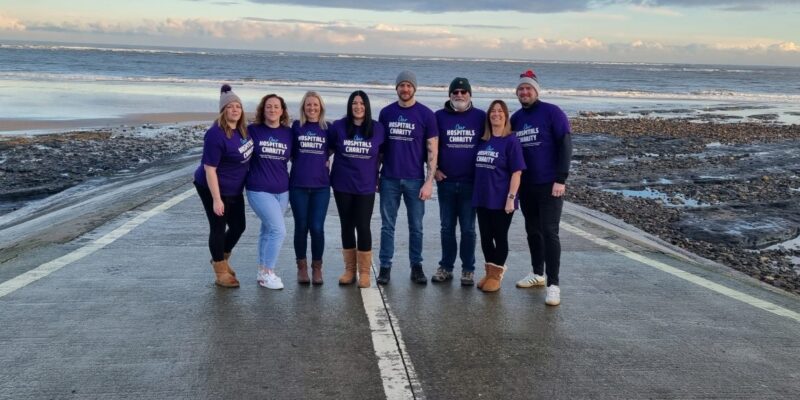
512 196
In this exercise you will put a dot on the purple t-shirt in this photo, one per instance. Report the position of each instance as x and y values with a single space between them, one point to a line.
269 170
230 156
309 156
459 134
537 128
407 132
355 161
496 160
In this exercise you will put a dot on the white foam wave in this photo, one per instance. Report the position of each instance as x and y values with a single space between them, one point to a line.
55 47
478 90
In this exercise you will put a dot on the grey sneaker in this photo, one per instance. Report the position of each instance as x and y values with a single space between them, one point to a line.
467 278
442 275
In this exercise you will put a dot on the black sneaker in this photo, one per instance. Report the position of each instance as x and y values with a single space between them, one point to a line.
384 275
442 275
467 278
418 276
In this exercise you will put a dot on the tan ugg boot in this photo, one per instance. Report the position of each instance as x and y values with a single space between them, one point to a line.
224 278
349 276
364 268
228 263
302 272
316 272
485 275
494 276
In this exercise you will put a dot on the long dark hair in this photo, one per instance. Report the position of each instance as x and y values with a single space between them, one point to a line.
367 124
261 118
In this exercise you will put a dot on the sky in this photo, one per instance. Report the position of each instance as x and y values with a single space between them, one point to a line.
665 31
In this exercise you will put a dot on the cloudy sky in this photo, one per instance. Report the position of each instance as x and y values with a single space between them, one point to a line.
693 31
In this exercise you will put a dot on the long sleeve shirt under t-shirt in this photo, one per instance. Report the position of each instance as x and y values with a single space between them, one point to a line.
459 134
544 132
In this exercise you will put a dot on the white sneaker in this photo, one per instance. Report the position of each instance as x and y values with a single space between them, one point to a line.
269 280
553 296
531 280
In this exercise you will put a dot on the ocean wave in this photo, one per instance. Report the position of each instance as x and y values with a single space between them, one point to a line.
58 47
478 90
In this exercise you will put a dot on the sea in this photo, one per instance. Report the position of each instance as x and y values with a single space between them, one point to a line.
58 81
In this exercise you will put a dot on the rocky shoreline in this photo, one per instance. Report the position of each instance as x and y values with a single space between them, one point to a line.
37 166
727 192
724 191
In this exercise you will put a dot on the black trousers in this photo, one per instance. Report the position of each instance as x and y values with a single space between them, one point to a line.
355 213
226 229
542 212
493 225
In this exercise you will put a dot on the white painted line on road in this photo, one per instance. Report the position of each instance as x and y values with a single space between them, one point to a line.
48 268
734 294
397 372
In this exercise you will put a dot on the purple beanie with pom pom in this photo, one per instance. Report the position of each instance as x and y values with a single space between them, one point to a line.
227 96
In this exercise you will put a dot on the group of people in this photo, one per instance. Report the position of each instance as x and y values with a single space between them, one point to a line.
486 165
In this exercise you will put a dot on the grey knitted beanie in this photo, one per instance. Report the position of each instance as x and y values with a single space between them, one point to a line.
406 76
227 96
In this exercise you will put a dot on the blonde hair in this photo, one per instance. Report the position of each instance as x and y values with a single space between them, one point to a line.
241 124
303 120
506 127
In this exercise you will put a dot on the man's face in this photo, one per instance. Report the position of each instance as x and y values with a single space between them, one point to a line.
460 99
405 91
526 94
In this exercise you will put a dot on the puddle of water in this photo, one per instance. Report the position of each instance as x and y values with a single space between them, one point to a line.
792 244
653 194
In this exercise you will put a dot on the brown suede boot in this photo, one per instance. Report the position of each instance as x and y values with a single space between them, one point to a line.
349 276
485 275
302 272
364 268
494 276
228 264
316 272
224 278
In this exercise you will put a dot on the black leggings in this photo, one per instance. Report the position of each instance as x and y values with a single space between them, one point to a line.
220 240
494 225
542 214
355 213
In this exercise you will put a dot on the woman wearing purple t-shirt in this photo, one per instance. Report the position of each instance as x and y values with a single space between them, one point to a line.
268 183
219 181
498 167
355 141
309 185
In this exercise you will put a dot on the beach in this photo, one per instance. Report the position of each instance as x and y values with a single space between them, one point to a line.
725 191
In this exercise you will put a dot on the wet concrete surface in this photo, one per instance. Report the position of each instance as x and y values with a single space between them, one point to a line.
141 318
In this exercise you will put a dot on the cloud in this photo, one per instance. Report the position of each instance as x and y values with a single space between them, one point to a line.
529 6
10 24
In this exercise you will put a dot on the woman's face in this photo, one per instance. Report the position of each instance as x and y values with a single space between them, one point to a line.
273 110
359 111
233 112
312 108
496 116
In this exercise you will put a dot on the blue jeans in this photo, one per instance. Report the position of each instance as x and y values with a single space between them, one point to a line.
455 208
270 208
309 208
391 190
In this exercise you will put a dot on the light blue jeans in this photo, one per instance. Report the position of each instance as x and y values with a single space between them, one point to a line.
392 190
270 208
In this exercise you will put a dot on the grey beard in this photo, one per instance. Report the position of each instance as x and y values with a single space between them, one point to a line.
459 105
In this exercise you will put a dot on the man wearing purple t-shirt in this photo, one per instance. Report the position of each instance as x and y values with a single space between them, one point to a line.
544 132
460 126
411 134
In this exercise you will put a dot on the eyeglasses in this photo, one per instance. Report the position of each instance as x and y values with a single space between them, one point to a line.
459 91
